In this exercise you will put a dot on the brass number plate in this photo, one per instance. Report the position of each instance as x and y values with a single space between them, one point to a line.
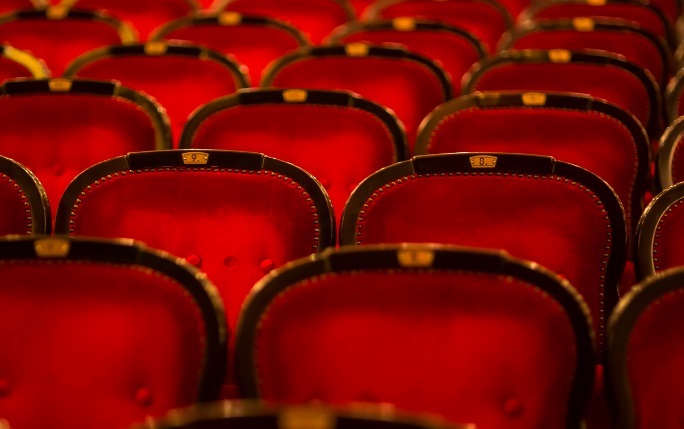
200 158
59 85
302 418
52 247
356 49
295 95
415 258
483 161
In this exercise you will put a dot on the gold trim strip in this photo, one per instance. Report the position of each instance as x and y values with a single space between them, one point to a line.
33 64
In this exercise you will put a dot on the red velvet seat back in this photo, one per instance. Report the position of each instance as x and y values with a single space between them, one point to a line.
646 354
144 16
487 20
360 6
471 337
456 50
315 18
338 137
57 36
580 130
13 5
103 337
25 208
599 75
16 63
180 77
624 38
254 41
407 83
59 131
556 214
670 158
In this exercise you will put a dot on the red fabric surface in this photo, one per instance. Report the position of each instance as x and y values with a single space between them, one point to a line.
409 88
481 19
360 6
628 280
453 52
613 84
339 146
471 347
206 4
643 16
10 69
94 345
667 246
548 221
316 18
12 5
654 357
253 46
181 84
634 46
592 140
58 41
59 135
15 216
144 16
669 7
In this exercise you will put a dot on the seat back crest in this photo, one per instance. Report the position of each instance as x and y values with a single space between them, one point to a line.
26 209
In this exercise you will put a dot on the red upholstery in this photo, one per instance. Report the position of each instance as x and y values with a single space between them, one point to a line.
671 9
633 45
58 135
472 347
614 84
360 6
253 44
144 16
485 20
15 216
13 5
454 52
591 139
94 345
58 41
315 18
206 4
667 247
10 69
339 146
409 88
180 83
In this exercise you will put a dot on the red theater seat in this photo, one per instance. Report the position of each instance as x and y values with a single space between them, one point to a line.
612 35
581 130
556 214
455 49
181 77
469 335
315 18
145 16
57 34
485 19
235 215
409 84
647 16
103 334
13 5
669 162
360 6
59 127
645 350
25 207
250 414
660 233
254 41
338 137
15 63
599 74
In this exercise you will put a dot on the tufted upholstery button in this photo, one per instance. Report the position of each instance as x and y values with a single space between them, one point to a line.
512 407
267 265
230 261
5 387
194 260
57 170
143 397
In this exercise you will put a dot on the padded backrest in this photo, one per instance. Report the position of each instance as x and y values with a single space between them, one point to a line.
660 233
59 127
670 162
315 18
485 19
25 207
645 15
254 41
181 77
590 133
144 16
56 35
601 75
13 5
338 137
409 84
612 35
674 102
455 49
550 212
360 6
103 334
644 366
16 63
472 336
